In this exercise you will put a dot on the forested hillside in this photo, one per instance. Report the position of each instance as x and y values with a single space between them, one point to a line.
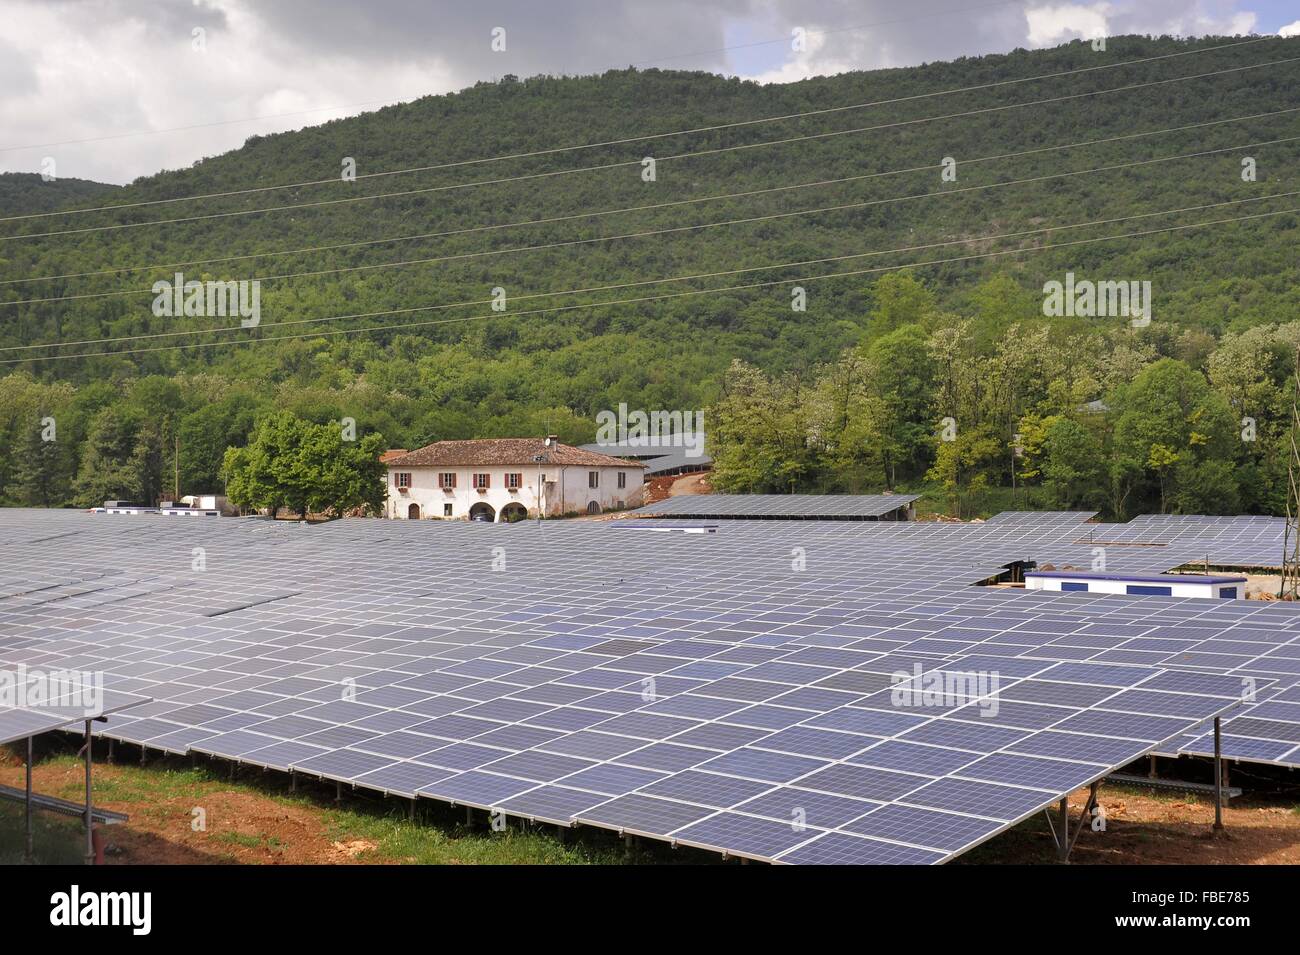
618 305
27 192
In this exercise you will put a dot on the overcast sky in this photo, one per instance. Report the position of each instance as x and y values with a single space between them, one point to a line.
115 89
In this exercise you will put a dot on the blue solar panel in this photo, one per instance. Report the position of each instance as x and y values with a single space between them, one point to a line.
537 697
945 831
476 788
762 765
793 805
993 801
837 848
1055 775
744 835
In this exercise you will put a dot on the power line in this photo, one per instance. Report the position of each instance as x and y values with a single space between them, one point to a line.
734 288
627 209
748 220
397 101
637 162
424 308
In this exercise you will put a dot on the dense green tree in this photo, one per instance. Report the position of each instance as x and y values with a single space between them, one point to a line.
305 467
900 377
1169 423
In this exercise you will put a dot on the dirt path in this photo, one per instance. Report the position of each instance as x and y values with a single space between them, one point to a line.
697 483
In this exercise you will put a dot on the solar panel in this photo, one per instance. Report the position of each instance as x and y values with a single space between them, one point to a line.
692 688
781 506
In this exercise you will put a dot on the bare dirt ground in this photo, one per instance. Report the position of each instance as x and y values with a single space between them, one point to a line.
697 483
1153 828
674 485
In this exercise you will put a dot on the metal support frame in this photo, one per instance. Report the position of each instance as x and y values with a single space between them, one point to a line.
90 821
28 814
1218 775
1060 828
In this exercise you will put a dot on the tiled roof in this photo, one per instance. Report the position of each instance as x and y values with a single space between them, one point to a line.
496 451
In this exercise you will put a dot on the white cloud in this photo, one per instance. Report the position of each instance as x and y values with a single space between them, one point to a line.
1049 26
1291 29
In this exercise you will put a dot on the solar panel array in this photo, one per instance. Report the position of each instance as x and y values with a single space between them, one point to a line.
780 506
1243 541
684 686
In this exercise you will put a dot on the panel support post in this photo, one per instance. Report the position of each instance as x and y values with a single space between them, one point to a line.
411 811
338 791
469 816
1218 775
293 781
90 821
1151 766
28 814
1063 840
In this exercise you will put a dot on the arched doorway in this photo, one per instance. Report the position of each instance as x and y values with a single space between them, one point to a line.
514 511
482 511
593 507
413 512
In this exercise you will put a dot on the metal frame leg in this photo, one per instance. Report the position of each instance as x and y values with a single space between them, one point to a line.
1060 829
90 821
28 820
1063 843
1218 776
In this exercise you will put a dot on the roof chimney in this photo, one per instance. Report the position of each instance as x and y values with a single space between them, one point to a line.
552 440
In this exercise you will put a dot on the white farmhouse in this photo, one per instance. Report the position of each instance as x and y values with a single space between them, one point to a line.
505 479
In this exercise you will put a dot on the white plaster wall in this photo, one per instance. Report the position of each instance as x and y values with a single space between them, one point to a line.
1121 586
566 490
